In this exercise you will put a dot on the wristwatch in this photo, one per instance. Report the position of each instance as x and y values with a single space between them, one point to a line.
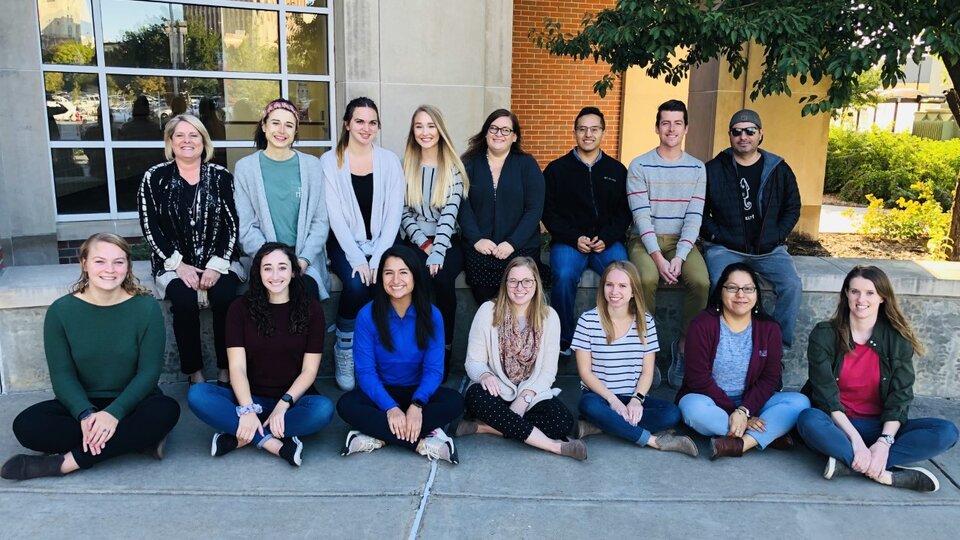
640 397
288 399
889 439
418 403
528 398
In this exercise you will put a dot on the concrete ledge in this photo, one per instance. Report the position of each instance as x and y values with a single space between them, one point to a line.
928 291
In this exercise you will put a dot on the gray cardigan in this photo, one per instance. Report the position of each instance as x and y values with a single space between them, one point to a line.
344 210
313 226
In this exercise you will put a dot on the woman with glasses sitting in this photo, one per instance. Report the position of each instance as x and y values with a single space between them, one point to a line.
500 219
512 364
733 369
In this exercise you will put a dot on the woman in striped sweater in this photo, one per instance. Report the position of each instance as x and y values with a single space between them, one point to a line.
616 344
435 184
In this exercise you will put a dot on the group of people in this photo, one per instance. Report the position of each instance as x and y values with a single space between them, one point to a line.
402 231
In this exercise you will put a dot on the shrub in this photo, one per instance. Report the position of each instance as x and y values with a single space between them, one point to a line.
889 165
922 219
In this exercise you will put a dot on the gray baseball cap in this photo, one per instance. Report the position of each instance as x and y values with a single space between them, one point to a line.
745 115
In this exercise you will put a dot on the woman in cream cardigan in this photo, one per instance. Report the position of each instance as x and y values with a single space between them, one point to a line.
512 364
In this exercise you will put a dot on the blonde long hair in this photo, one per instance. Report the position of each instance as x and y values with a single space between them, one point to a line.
130 282
448 163
636 307
537 309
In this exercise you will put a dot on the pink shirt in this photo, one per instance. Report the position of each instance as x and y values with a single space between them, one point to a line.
860 383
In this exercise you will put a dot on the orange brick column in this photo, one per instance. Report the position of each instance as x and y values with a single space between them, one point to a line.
548 91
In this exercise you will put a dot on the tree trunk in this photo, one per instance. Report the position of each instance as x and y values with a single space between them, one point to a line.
953 68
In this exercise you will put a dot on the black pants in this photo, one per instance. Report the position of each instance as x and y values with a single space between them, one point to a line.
364 415
186 320
311 287
550 416
49 427
445 286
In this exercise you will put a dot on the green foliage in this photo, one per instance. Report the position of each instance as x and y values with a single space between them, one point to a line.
890 165
72 53
921 219
808 39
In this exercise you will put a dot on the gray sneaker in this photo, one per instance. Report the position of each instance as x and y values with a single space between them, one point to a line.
915 478
677 364
835 469
344 369
656 378
360 442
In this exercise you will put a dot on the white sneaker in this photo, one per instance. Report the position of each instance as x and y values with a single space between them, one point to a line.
438 445
344 370
359 442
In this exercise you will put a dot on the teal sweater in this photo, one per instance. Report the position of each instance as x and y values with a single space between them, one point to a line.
104 352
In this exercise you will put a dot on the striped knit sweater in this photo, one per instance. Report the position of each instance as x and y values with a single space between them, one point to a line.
421 221
666 197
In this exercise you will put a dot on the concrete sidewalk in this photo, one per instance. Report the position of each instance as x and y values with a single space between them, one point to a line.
501 489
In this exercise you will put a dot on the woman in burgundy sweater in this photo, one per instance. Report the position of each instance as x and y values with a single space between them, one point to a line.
274 340
733 370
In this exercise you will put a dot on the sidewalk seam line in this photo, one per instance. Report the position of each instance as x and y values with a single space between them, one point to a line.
721 500
423 502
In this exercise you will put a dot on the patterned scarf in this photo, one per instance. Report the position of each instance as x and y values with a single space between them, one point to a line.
518 348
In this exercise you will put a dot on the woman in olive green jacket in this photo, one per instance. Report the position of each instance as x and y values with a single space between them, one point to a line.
861 387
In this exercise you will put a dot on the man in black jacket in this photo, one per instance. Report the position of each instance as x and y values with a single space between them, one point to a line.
586 213
751 206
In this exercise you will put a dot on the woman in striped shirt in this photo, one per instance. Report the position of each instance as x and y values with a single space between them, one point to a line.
616 344
435 184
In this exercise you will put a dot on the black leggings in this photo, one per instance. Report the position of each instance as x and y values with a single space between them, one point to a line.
364 415
49 427
445 285
550 416
186 319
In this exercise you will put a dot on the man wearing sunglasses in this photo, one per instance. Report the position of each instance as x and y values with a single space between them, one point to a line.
751 206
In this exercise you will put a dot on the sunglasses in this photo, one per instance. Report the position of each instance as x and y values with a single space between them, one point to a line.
751 131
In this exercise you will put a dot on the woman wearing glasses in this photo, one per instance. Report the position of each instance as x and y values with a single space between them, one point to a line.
500 219
512 364
733 370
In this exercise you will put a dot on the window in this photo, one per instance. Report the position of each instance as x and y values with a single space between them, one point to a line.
115 70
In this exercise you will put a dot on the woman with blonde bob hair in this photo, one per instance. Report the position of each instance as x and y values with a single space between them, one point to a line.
436 184
861 388
104 345
189 220
512 364
616 345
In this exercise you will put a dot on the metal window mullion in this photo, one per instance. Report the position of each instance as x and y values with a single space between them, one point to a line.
107 129
152 72
72 68
332 86
282 37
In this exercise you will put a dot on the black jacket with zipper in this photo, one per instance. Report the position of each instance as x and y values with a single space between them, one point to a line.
778 204
586 201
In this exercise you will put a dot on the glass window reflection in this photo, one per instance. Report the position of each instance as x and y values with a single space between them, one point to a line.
183 36
80 180
228 108
129 164
73 106
313 100
66 32
307 43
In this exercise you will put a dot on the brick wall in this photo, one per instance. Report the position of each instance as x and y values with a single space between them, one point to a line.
548 91
69 250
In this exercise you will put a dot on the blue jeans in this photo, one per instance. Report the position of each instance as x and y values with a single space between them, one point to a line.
217 407
779 414
354 294
658 415
567 265
777 267
917 440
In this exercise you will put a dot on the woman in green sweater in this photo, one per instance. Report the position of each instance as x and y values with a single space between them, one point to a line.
104 344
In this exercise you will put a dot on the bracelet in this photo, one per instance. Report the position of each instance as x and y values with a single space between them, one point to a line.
251 408
85 413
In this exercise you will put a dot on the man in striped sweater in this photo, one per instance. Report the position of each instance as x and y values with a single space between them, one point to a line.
665 191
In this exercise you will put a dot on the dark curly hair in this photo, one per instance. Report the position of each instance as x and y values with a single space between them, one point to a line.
258 297
421 299
477 145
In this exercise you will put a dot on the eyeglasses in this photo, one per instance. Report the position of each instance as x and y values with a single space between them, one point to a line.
505 131
514 283
593 130
733 289
751 131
